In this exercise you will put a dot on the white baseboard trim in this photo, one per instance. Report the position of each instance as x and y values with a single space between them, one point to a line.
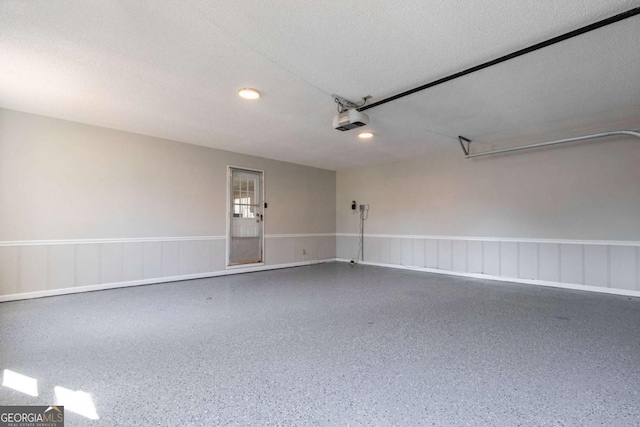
155 280
578 287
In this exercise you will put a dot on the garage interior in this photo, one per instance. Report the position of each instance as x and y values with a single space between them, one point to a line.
324 213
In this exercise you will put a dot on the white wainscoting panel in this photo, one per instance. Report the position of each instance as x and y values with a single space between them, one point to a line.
417 253
385 250
395 250
298 247
623 267
34 268
218 254
60 266
596 265
474 256
327 247
491 258
590 265
509 261
9 270
528 260
132 261
549 262
170 259
288 249
373 249
445 254
571 264
431 253
111 263
311 244
274 251
88 266
195 256
407 252
152 260
342 246
459 255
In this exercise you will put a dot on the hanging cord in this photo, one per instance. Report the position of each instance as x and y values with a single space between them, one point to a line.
364 215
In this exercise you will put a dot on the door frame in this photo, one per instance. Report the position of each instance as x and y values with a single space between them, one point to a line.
228 215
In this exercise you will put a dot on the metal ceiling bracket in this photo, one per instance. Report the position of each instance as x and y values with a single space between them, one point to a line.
346 104
635 133
465 149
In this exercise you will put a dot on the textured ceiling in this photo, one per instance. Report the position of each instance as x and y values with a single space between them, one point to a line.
172 68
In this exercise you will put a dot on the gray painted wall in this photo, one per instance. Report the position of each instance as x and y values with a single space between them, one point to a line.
163 202
584 191
65 180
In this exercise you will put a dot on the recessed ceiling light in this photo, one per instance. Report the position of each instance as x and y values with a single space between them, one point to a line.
365 135
249 93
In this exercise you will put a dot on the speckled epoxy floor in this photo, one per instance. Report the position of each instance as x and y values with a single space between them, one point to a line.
332 344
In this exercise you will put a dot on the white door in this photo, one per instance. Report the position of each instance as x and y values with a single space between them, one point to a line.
245 217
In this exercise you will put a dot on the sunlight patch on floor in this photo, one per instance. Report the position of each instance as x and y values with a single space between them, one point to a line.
19 382
76 401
